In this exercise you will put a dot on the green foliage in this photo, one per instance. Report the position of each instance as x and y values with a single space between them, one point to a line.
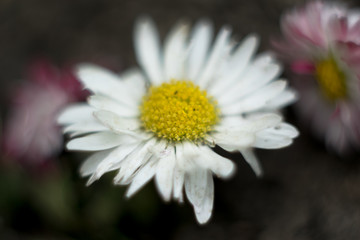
55 202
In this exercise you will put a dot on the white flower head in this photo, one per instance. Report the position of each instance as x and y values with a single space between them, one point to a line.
162 122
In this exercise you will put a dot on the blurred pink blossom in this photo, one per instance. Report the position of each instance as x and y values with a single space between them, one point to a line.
31 134
321 44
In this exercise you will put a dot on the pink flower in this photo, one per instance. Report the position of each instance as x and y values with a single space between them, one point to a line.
31 134
322 46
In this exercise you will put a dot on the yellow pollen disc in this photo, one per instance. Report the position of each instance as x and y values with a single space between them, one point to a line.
178 111
331 79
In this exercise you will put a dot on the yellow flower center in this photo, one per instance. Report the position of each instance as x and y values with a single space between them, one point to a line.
331 79
178 111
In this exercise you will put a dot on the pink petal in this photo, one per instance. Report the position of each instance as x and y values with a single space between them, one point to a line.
42 72
303 67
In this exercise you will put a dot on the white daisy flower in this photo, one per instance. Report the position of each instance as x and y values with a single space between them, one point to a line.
162 122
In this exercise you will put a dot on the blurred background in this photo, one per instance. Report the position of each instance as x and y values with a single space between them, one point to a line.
306 192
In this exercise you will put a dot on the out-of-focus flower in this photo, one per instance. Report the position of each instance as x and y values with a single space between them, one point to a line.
192 96
31 133
322 44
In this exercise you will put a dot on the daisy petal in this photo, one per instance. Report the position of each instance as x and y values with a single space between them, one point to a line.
257 73
90 164
164 174
105 103
251 159
142 177
174 51
103 82
203 212
284 129
236 66
252 123
219 50
258 80
178 184
75 113
195 186
242 55
114 159
134 161
277 137
84 127
269 141
285 98
147 49
185 153
256 100
117 123
199 45
233 140
95 142
219 165
135 82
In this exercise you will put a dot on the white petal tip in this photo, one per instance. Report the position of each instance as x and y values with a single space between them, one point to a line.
205 22
166 199
85 68
259 172
294 98
166 196
226 29
69 146
253 37
144 21
282 82
91 180
203 218
228 172
296 134
129 193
